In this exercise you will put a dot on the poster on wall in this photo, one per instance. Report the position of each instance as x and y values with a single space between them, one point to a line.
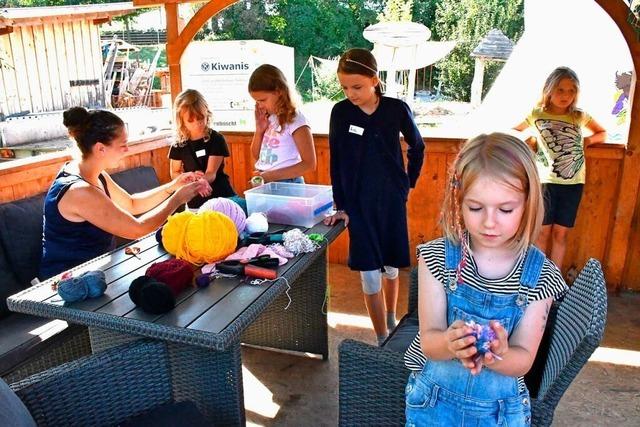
220 70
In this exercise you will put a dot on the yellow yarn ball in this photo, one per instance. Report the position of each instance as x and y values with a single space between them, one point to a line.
173 231
200 238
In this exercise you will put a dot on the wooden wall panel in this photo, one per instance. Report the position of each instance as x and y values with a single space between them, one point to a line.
9 78
20 71
32 77
53 73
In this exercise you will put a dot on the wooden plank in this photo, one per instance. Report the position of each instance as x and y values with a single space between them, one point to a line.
96 55
63 65
53 73
4 103
35 91
44 75
9 76
79 59
21 71
72 66
89 57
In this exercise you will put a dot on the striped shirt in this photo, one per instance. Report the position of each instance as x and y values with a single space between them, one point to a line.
550 285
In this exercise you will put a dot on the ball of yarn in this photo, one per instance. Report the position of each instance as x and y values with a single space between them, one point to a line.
151 295
200 238
228 208
484 334
257 223
176 273
90 284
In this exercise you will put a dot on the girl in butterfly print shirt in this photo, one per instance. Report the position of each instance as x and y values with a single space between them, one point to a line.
560 156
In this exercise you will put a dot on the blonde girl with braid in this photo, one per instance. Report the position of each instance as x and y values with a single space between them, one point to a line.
484 271
282 144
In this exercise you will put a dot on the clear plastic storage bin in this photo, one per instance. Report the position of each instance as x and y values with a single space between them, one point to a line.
293 204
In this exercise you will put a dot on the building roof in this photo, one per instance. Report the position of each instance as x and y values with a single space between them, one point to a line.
24 16
494 45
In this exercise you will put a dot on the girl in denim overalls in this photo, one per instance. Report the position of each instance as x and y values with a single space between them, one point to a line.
492 275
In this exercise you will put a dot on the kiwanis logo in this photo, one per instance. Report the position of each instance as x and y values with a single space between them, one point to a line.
205 66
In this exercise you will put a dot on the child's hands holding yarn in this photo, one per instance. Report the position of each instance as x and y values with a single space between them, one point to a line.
461 343
491 342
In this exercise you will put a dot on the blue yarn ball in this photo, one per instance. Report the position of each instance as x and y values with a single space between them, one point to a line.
90 284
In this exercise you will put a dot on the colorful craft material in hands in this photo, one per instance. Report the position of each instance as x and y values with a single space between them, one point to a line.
229 208
200 238
484 334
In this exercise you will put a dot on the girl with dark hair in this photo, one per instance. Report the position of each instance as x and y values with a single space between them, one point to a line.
370 182
282 142
84 208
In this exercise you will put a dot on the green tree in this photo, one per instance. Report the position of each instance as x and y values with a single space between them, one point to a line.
397 11
467 22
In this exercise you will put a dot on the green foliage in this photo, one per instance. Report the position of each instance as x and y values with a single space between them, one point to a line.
468 21
325 84
324 28
397 11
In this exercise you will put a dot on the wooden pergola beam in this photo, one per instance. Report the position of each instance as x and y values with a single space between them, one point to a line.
178 40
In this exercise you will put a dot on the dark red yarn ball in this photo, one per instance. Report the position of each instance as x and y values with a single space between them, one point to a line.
175 273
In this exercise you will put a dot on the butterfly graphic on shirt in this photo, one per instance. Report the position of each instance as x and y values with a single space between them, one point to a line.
564 141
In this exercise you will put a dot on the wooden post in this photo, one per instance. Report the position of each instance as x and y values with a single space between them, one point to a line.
617 252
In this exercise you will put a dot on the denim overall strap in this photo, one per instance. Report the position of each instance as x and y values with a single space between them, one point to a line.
530 274
452 255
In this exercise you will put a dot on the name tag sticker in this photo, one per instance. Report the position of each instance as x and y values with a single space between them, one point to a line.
356 129
201 153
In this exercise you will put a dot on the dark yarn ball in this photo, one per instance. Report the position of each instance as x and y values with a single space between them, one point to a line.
176 273
159 237
203 280
151 295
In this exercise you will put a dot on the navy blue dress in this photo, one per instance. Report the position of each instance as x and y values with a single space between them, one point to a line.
370 182
65 243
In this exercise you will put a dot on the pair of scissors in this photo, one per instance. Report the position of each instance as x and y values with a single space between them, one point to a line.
132 250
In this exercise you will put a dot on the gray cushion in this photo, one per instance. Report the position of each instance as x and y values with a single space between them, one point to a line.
19 343
12 411
403 334
137 179
21 236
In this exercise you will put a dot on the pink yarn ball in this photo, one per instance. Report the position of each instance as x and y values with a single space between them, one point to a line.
229 208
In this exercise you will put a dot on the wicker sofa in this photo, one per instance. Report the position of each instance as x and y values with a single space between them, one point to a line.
129 385
372 379
30 344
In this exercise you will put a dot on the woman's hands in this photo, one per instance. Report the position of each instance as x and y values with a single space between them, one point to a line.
262 119
460 343
339 215
190 184
189 191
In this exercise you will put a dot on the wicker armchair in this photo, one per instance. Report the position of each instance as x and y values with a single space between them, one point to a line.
372 379
105 389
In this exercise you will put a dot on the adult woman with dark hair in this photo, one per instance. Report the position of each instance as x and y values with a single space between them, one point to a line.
84 208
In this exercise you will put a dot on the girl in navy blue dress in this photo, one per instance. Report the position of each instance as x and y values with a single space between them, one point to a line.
370 181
